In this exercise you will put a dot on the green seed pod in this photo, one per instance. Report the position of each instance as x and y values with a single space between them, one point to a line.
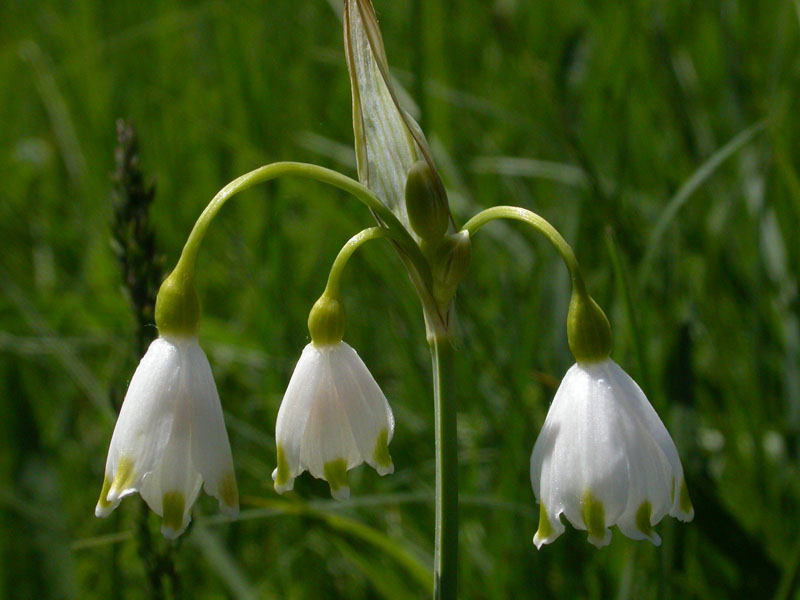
426 203
326 321
588 329
177 305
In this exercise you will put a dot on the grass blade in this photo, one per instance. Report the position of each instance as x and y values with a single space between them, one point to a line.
698 178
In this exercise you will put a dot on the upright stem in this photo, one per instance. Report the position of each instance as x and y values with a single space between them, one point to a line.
445 561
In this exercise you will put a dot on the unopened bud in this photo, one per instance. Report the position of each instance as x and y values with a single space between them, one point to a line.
426 202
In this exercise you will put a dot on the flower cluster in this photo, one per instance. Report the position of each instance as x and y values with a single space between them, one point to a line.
603 456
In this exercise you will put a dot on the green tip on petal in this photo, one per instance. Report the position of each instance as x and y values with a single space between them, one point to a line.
594 517
545 531
103 505
381 454
643 518
282 473
173 504
336 475
684 501
229 492
123 477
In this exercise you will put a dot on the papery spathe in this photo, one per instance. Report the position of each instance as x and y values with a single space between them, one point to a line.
603 458
388 141
170 437
332 418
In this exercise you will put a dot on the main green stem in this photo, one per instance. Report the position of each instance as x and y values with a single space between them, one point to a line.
445 561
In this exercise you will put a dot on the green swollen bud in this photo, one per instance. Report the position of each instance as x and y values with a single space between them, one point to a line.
426 202
177 304
449 262
588 329
326 321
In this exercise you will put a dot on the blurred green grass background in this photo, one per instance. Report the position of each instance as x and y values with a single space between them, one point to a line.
660 137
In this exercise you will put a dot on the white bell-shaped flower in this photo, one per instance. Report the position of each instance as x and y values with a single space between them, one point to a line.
332 418
605 458
170 437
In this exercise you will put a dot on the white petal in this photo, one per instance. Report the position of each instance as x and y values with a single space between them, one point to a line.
145 420
639 405
368 413
333 417
587 456
294 412
211 450
328 440
172 487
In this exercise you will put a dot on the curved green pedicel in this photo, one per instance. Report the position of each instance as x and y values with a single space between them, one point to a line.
545 531
643 518
268 172
588 330
594 516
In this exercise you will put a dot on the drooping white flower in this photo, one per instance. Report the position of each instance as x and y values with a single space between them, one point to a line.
332 418
170 437
605 458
